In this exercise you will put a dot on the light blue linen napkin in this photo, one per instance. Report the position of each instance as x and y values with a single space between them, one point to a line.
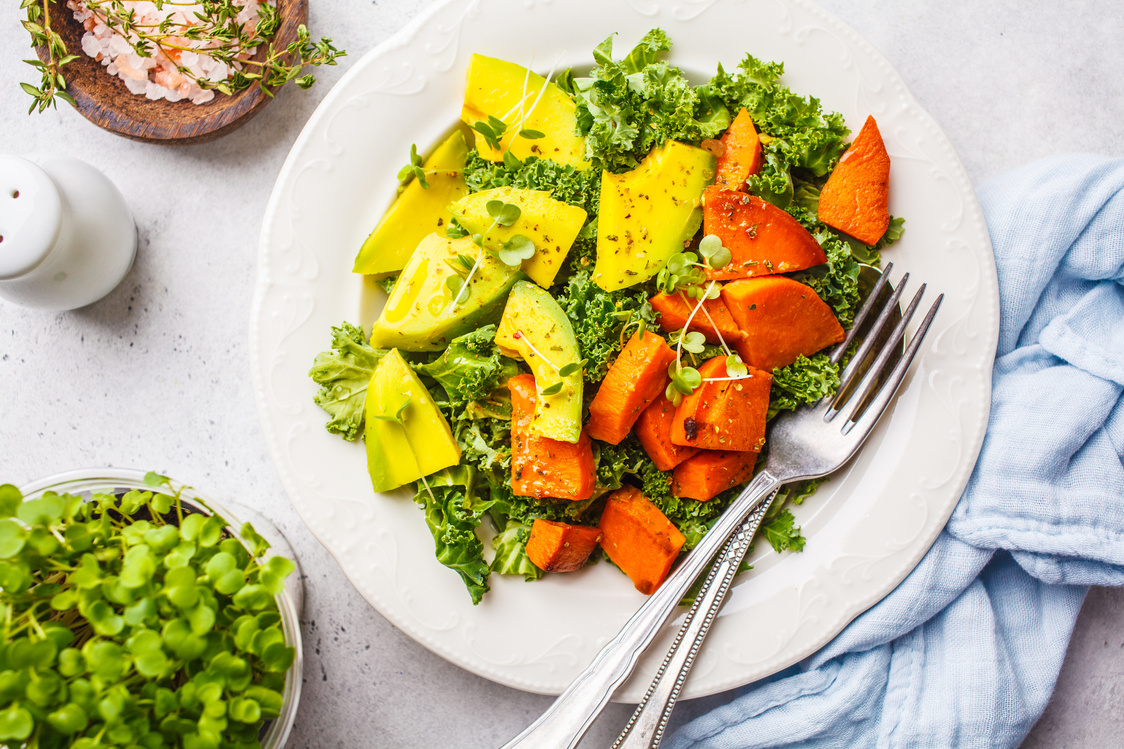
965 651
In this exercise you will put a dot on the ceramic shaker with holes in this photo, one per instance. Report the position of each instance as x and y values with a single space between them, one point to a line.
67 237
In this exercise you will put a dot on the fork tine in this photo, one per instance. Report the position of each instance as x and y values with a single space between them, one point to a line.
874 411
870 380
864 310
854 366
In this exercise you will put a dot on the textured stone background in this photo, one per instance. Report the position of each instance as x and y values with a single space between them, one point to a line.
156 375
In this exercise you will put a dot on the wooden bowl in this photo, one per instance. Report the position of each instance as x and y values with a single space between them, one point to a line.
104 100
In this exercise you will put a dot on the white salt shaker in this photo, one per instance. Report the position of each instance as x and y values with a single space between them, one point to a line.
67 238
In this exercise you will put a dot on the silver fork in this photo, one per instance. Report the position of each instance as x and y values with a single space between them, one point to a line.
645 729
803 444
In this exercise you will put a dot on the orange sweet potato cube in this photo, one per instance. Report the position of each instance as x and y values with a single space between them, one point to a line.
856 198
639 538
708 473
560 547
782 320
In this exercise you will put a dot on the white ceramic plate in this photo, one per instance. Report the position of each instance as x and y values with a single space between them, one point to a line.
866 530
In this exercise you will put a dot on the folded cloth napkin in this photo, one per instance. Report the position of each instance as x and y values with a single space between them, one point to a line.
966 650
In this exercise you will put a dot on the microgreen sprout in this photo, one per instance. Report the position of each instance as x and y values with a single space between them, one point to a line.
414 168
512 253
492 130
133 619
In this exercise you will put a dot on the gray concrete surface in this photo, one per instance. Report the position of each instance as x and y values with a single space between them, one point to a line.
157 376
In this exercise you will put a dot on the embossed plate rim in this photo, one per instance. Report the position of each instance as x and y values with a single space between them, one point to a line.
866 530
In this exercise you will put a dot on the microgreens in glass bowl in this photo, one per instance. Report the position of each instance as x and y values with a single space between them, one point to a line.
135 613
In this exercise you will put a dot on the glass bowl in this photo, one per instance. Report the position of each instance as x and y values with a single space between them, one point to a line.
289 602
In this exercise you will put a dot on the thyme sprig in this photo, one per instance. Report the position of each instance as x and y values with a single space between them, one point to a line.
214 31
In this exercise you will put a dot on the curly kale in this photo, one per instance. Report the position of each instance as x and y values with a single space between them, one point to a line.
800 139
581 188
628 107
343 374
806 380
453 512
599 318
471 367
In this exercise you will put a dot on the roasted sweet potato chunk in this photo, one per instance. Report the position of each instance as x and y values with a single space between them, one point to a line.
708 473
637 376
781 319
639 538
856 198
540 466
653 429
560 547
762 238
724 414
742 154
674 311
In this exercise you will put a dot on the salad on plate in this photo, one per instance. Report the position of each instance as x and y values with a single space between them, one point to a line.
600 288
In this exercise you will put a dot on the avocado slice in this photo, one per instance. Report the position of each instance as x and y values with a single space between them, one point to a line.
417 211
407 436
420 314
533 326
496 88
647 214
550 224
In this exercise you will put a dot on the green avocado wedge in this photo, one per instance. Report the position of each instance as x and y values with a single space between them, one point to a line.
407 436
417 210
551 225
535 328
421 315
648 213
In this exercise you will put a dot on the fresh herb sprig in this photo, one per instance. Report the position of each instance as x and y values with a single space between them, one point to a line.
214 32
130 620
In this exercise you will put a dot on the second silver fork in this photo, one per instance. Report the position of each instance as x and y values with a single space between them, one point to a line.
645 728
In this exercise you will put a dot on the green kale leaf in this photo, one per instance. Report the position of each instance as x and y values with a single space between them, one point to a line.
581 188
510 546
799 135
626 108
599 318
806 380
452 512
343 374
628 459
471 367
782 532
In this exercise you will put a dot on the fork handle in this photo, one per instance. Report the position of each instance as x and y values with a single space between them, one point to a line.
645 729
567 719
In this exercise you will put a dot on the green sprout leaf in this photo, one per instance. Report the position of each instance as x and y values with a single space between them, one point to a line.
155 480
10 499
717 256
504 214
572 368
517 249
735 367
531 134
553 389
684 379
693 341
